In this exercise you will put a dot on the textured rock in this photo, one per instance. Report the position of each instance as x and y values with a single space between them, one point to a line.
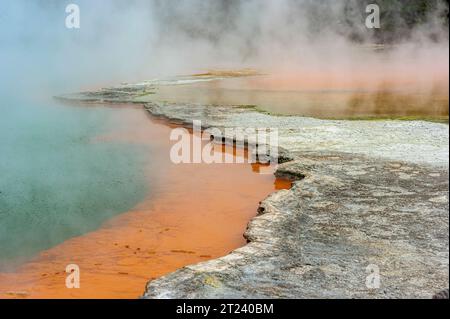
318 239
368 196
442 295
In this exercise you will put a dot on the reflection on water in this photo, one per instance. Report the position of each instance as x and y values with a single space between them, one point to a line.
261 93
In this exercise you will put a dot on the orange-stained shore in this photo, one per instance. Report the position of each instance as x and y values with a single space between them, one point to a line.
194 213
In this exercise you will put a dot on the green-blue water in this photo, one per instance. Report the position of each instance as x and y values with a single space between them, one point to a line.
54 182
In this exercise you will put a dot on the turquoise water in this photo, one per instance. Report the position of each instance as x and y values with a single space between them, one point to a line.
55 183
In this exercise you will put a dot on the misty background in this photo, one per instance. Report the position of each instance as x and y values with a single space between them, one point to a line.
134 40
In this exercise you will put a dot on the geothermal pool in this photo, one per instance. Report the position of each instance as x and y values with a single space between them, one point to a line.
315 96
94 186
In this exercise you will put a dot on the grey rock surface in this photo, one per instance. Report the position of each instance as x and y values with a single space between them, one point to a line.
326 237
412 141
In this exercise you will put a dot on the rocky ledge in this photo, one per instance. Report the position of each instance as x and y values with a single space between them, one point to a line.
347 219
367 216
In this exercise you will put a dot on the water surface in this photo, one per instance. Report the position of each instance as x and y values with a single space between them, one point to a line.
56 180
280 96
195 212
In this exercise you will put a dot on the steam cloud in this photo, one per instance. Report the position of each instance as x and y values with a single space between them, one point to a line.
310 44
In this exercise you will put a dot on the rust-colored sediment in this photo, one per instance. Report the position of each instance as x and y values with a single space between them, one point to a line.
195 213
